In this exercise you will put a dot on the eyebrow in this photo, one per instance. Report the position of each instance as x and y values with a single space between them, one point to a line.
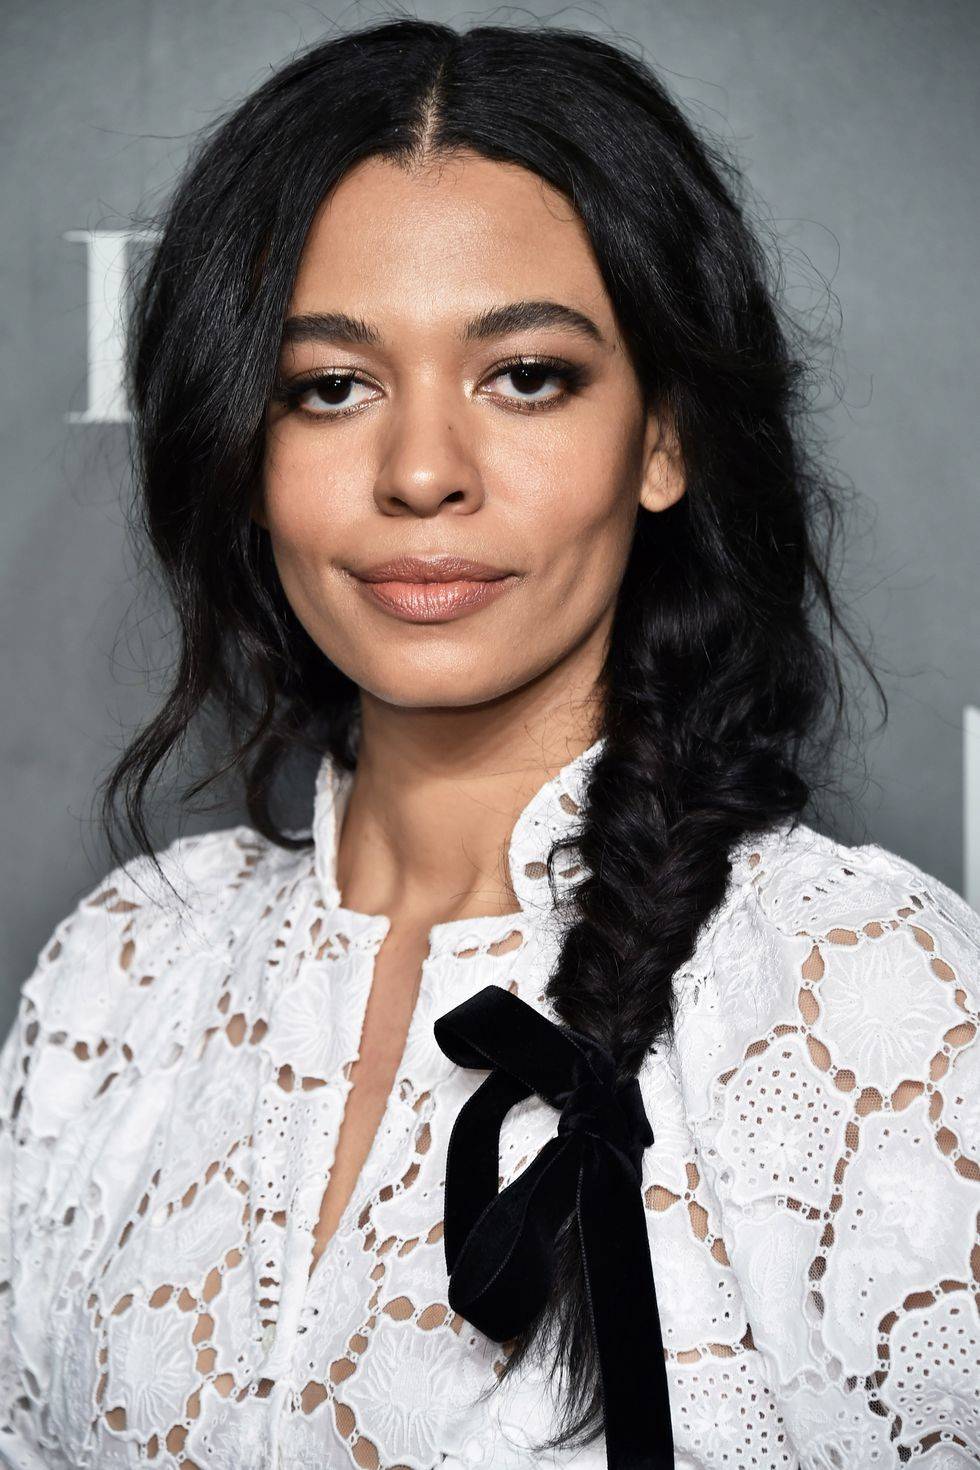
496 321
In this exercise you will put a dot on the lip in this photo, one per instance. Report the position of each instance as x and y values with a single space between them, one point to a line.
416 569
435 602
432 590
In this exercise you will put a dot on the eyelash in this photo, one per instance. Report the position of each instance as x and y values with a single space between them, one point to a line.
289 392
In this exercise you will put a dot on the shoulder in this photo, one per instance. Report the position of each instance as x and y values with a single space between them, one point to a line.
208 880
869 961
118 980
804 880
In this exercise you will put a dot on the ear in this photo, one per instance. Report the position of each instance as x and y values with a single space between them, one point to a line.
664 481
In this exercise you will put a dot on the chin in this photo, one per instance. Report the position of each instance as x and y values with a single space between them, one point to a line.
455 688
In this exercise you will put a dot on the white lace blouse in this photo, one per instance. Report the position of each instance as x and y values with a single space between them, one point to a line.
171 1093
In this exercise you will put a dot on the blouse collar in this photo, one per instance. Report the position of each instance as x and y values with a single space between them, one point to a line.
552 812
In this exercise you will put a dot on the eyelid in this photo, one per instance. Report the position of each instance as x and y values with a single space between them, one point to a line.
288 391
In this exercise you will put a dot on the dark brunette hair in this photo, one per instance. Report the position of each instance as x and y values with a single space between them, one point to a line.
722 696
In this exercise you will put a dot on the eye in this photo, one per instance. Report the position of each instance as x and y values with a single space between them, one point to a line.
332 389
528 373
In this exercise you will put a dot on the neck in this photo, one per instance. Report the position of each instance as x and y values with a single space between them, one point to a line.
435 798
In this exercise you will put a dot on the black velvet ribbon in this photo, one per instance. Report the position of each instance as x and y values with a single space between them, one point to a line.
499 1244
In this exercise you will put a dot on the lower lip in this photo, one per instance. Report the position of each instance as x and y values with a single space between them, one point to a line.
434 602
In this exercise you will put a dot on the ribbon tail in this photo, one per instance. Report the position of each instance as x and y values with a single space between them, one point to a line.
503 1273
626 1321
472 1158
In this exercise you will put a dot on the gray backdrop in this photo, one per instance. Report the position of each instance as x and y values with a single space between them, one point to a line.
856 125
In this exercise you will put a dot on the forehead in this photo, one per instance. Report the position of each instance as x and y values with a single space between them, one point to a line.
456 236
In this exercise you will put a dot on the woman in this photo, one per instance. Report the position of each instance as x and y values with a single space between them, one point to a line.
475 454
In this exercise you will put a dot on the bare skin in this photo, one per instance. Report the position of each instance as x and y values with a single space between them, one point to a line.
462 719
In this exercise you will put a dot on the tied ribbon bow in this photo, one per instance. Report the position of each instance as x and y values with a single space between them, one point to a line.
500 1243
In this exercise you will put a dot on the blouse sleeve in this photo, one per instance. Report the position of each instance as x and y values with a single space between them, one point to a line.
20 1447
62 1050
843 1139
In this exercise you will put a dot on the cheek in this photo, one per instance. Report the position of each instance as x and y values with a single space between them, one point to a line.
305 524
582 526
302 510
290 488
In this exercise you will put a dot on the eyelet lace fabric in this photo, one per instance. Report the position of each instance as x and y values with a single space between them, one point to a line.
173 1087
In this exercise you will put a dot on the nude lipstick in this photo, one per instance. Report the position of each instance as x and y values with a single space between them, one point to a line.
432 589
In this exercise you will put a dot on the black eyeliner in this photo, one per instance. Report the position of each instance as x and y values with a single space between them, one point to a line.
289 391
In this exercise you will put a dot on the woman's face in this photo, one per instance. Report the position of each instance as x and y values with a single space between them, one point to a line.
436 447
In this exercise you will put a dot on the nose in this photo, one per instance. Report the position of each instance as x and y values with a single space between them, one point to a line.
428 462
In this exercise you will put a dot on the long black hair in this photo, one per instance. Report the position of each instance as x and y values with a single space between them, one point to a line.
723 691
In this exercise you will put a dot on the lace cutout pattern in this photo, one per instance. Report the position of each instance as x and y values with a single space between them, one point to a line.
173 1088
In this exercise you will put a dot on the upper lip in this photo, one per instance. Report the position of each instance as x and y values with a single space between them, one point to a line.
431 569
